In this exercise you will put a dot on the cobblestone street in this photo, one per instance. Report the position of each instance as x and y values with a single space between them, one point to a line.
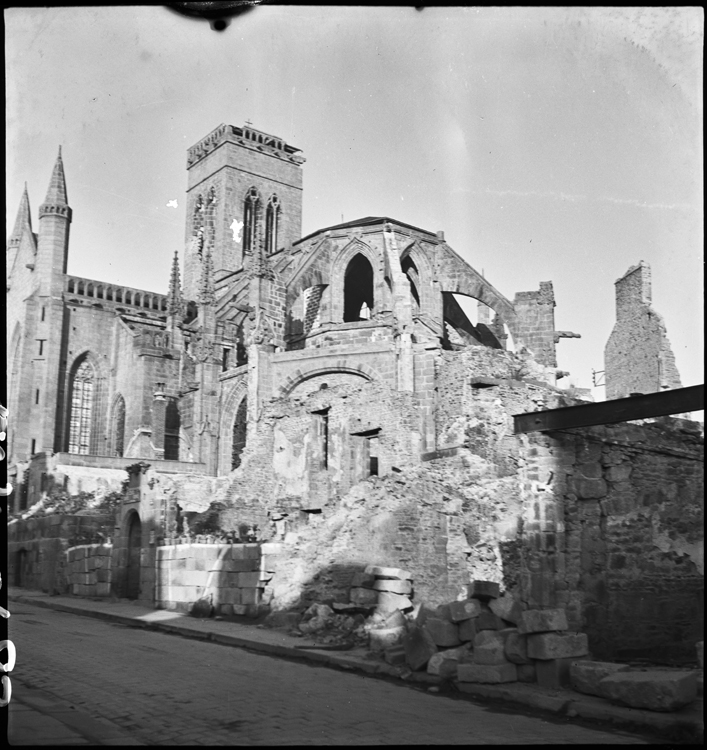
162 690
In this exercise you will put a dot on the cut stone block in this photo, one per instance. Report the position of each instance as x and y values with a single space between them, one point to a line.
389 602
443 633
467 630
444 664
585 676
507 608
395 619
484 590
363 597
554 673
542 620
443 612
557 645
516 646
380 640
380 572
395 655
488 673
464 610
361 578
419 648
527 673
653 690
394 586
489 648
488 621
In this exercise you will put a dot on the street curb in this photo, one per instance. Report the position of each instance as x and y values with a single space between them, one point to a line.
586 708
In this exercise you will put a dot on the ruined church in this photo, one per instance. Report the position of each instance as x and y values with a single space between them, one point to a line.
294 409
259 312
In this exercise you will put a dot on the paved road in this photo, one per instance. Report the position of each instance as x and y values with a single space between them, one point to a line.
164 690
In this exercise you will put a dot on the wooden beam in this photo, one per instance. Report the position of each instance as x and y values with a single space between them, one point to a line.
677 401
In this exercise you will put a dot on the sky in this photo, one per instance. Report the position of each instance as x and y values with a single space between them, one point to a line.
548 144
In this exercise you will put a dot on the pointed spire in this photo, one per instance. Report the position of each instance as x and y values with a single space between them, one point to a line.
206 282
56 194
175 301
24 218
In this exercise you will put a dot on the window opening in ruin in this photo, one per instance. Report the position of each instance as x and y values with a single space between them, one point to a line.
364 454
272 223
41 346
172 424
240 424
34 446
413 277
373 456
322 440
119 426
251 209
358 289
82 392
241 348
24 487
44 309
225 358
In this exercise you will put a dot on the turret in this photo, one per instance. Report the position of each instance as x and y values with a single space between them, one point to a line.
53 245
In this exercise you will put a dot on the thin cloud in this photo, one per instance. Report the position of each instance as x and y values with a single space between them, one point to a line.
577 198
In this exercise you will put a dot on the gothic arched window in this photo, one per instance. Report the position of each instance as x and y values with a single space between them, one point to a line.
119 426
358 290
272 224
172 425
251 211
82 397
240 424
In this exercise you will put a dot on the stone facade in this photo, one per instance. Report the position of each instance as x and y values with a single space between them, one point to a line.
638 357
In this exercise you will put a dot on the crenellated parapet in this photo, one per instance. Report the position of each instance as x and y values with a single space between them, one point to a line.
245 136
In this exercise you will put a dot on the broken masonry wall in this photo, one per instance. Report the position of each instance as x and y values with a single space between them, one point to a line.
534 326
447 520
638 357
614 533
313 445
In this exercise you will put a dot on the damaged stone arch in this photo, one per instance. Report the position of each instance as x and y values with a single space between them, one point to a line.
416 266
365 282
363 371
236 397
468 283
307 303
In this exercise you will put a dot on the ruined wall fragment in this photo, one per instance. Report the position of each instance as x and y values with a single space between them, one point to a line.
638 357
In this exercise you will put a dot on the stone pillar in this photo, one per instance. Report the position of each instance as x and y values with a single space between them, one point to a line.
159 412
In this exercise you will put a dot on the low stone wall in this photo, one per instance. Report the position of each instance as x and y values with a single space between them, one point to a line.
88 569
227 574
36 548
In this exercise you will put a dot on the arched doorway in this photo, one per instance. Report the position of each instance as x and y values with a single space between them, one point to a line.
20 566
132 584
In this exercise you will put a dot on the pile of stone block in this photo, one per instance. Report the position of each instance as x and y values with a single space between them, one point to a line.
88 569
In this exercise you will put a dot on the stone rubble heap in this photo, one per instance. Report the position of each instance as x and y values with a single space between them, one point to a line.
484 637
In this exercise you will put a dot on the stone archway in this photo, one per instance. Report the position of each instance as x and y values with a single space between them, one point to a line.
134 536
